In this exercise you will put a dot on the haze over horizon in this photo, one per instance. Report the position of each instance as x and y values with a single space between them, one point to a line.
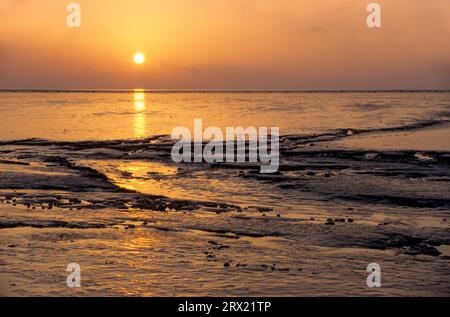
235 44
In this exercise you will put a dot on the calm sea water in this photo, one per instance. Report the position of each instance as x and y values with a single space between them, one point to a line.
124 115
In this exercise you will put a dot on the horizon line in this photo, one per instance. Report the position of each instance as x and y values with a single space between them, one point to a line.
201 90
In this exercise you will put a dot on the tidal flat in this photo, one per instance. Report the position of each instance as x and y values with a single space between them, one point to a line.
370 187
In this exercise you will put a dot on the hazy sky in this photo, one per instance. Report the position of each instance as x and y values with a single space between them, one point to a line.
281 44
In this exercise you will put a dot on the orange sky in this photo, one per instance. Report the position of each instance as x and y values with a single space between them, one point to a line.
227 44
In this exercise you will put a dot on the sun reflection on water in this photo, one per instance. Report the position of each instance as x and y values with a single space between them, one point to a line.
139 124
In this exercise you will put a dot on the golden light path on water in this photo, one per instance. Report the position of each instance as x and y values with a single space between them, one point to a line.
140 129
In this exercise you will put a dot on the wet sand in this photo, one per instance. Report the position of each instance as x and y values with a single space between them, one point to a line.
57 211
434 138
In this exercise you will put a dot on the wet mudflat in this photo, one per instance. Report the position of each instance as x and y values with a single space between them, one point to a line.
364 177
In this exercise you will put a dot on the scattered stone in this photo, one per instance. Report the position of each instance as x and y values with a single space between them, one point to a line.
283 269
349 220
226 264
339 220
11 245
271 267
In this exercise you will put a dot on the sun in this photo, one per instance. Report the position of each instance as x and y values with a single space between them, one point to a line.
139 58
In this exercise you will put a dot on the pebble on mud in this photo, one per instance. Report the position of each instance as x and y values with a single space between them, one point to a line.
329 222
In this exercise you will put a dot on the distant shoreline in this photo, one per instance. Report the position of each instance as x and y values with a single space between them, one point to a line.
249 91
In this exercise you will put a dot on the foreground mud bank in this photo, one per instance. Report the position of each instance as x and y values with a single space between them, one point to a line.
138 224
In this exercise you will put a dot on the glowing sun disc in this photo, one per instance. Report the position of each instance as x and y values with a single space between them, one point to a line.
139 58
